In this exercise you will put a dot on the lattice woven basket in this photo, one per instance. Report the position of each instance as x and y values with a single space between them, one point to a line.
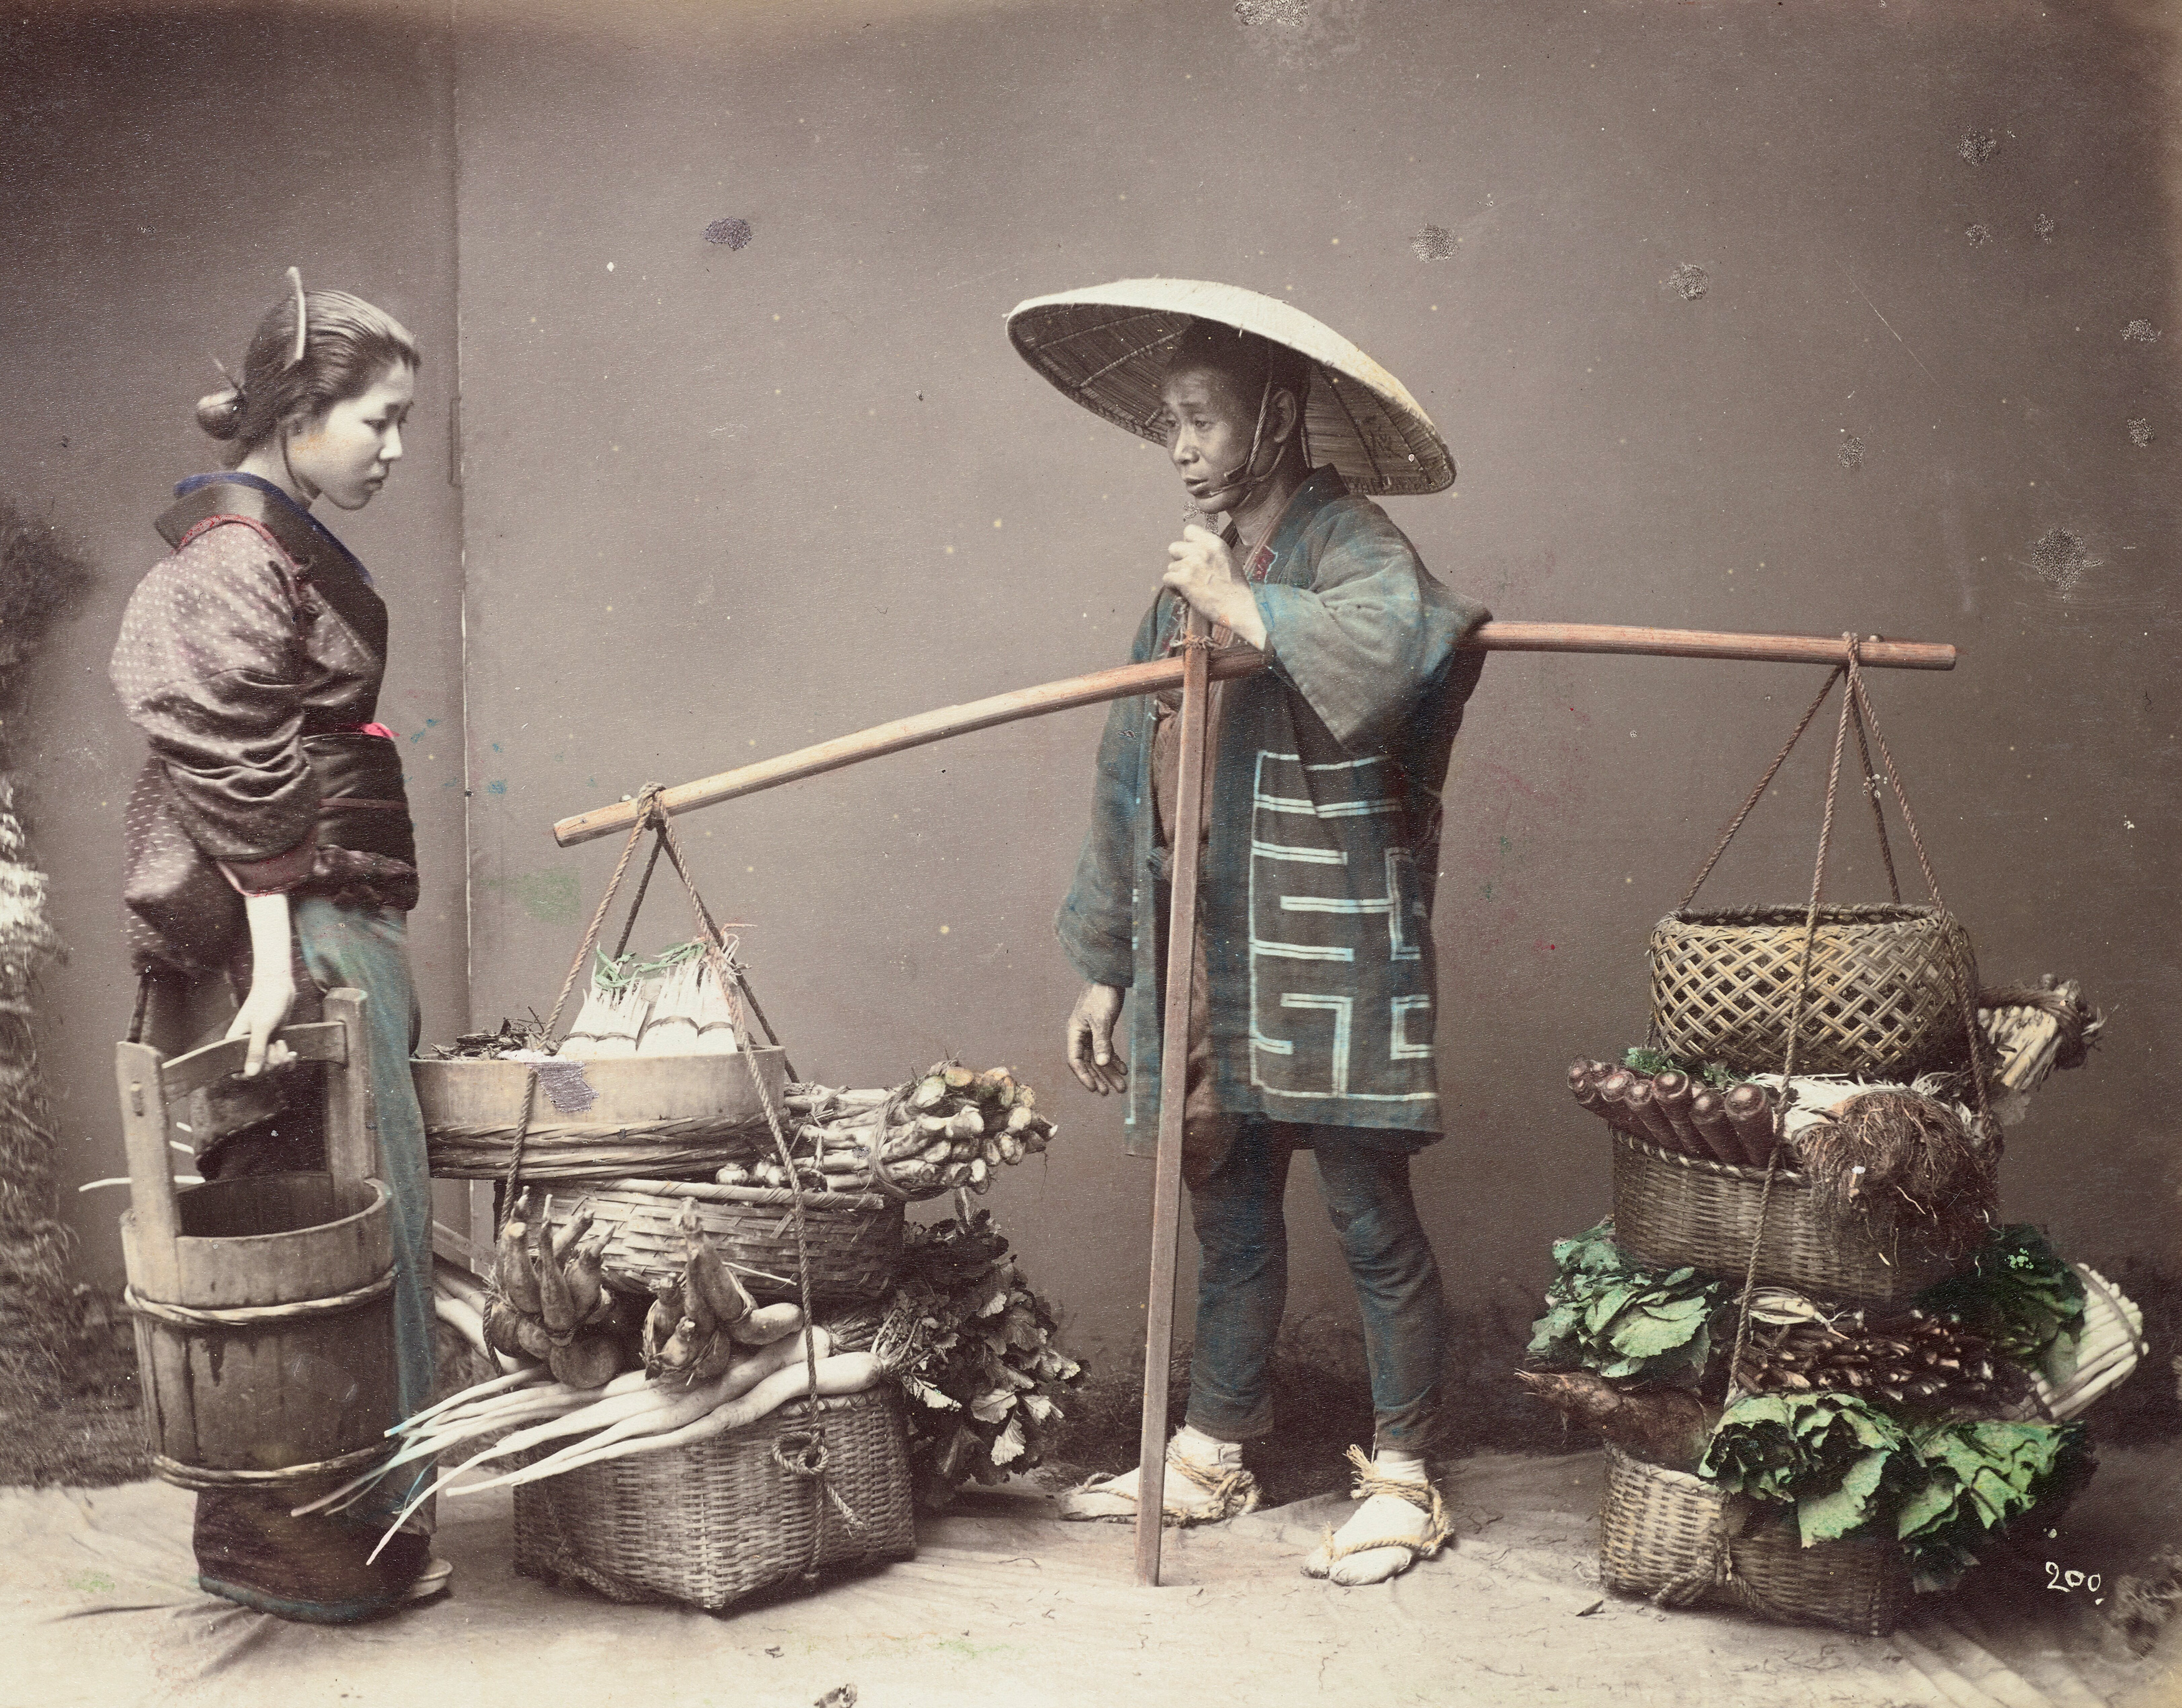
855 1241
713 1522
1671 1210
1885 999
1680 1540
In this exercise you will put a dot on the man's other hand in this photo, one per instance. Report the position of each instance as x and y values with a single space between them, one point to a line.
1092 1057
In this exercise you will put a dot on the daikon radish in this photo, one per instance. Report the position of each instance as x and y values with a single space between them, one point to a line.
462 1320
766 1324
846 1373
483 1390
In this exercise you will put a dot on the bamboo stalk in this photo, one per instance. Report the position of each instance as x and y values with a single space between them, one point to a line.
1165 675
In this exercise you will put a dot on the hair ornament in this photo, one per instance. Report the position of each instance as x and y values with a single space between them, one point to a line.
295 279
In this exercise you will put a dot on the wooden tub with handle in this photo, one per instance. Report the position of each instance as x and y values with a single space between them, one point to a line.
263 1304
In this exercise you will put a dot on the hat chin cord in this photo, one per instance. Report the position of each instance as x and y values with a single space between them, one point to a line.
1248 490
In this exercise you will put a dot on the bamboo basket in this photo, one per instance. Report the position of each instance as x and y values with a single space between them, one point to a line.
1681 1541
855 1241
596 1120
1672 1211
713 1522
1885 999
2111 1319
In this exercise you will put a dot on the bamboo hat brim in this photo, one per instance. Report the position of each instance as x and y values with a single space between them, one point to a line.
1107 346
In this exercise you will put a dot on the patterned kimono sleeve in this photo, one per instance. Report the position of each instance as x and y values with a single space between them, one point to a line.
1096 922
210 666
1370 634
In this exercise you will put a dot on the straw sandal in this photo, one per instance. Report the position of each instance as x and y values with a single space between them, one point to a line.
1224 1494
1424 1497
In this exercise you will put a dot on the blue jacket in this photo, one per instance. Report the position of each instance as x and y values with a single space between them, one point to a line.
1324 841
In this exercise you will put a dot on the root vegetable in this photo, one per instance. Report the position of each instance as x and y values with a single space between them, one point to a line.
928 1093
555 1308
588 1360
765 1323
517 1279
1648 1119
1708 1115
680 1350
846 1373
585 1278
566 1237
461 1318
1583 1086
531 1336
1670 1095
500 1322
1756 1125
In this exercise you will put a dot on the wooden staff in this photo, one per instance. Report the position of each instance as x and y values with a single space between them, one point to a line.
1165 675
1174 1094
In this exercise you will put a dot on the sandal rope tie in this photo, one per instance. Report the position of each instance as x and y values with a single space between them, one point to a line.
1425 1496
1233 1491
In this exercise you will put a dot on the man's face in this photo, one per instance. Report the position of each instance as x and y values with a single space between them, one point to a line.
1208 424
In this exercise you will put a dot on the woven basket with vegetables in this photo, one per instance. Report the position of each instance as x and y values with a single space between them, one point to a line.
710 1523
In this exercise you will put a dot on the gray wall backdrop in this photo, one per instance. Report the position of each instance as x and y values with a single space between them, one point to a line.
719 503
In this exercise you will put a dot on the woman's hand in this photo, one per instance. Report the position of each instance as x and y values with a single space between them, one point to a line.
1202 571
1091 1053
272 984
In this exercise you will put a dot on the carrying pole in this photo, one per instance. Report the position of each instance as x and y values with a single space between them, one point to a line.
1174 1089
1163 675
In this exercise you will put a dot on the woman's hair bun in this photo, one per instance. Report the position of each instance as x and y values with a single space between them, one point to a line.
220 412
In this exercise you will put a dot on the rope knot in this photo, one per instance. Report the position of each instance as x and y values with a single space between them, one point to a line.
808 1457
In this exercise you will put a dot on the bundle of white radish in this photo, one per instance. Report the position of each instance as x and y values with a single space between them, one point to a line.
459 1300
691 1016
633 1414
949 1127
552 1304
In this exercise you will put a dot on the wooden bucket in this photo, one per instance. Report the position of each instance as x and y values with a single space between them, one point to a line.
264 1305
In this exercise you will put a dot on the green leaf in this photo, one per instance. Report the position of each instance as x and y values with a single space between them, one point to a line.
1822 1517
1008 1447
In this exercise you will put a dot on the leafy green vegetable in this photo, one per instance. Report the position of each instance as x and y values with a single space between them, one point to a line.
1831 1455
2017 1294
1976 1477
965 1336
1640 1059
1604 1314
1847 1467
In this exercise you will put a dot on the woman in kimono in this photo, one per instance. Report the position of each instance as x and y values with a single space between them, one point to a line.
268 846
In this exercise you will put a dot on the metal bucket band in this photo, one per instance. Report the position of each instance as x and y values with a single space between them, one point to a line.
249 1316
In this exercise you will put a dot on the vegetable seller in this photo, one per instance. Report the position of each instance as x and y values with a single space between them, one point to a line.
1312 1004
268 846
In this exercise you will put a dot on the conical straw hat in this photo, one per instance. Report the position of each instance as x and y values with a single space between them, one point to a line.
1107 347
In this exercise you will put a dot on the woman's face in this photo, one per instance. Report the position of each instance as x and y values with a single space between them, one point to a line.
346 453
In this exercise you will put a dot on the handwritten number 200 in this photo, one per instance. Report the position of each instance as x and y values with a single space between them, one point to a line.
2056 1579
